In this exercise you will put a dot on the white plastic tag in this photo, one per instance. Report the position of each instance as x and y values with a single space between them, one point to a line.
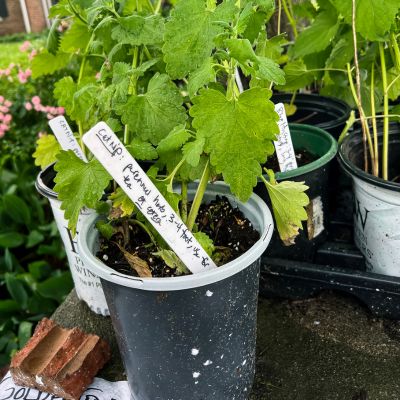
283 145
65 136
116 159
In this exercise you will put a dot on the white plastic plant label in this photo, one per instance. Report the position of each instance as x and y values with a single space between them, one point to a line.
99 389
284 145
116 159
87 284
65 136
316 219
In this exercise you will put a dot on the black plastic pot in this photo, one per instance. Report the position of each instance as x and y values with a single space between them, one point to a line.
189 337
315 175
327 113
376 205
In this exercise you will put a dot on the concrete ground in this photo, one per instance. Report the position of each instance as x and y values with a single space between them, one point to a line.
325 348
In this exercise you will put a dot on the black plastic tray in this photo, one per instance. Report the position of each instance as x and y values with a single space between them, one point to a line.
339 266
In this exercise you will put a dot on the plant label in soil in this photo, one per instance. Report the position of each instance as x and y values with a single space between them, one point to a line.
65 136
283 145
116 159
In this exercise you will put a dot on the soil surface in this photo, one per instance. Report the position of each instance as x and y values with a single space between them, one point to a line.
303 157
231 232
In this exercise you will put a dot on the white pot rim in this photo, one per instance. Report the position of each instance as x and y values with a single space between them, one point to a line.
255 210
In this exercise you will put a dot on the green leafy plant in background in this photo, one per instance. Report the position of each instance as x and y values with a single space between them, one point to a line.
168 86
33 278
350 50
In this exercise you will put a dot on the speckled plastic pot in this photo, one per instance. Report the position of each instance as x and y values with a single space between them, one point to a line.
190 337
87 285
376 205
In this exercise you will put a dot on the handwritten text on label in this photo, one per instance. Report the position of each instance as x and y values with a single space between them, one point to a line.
116 159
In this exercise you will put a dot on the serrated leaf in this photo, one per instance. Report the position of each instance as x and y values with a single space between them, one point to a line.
297 76
241 50
190 34
173 261
342 52
319 35
174 140
47 148
193 150
121 200
238 133
61 9
142 150
154 114
206 242
53 38
137 30
78 184
288 203
373 18
201 77
270 70
271 48
64 91
105 229
46 63
75 38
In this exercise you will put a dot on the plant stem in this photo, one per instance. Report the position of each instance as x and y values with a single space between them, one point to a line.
290 18
145 228
395 47
374 128
158 7
198 198
184 201
77 15
385 144
279 16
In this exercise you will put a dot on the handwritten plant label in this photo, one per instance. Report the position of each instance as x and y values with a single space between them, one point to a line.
99 389
116 159
283 145
65 136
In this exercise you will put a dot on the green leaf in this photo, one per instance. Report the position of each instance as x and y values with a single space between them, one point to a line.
190 33
46 63
193 150
39 269
17 289
64 91
271 48
75 38
241 50
270 70
17 209
342 52
238 133
24 333
288 203
137 30
121 200
206 242
319 35
175 139
154 114
393 77
11 239
142 150
8 307
34 238
78 184
297 76
47 148
53 38
61 9
201 77
56 287
373 18
173 261
105 228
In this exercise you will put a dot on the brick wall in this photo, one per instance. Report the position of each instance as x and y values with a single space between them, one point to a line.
36 15
14 22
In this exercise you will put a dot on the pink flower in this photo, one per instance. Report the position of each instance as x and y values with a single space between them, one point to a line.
21 77
35 100
60 110
7 118
4 109
1 99
50 116
4 127
28 72
11 66
98 76
2 133
38 107
41 134
8 103
25 46
7 71
32 55
28 106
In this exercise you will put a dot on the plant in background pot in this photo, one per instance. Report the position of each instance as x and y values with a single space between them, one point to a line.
168 90
371 154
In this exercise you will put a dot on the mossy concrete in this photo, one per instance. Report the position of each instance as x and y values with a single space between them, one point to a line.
325 348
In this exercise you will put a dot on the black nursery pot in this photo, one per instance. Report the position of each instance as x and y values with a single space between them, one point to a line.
327 113
189 337
316 176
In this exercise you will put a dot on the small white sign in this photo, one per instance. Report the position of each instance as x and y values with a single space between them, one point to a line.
116 159
65 136
283 144
99 389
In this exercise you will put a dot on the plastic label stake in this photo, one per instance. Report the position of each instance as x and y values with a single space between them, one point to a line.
65 136
116 159
283 145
